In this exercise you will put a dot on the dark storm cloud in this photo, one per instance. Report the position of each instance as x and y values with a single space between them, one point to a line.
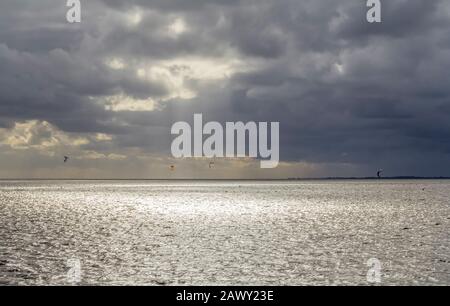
344 91
172 5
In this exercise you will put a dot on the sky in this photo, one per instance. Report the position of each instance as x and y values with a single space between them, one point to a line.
351 97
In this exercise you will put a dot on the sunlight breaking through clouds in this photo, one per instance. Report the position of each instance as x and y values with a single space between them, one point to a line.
129 70
122 102
39 135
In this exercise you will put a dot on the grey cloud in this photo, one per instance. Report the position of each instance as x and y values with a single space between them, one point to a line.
343 90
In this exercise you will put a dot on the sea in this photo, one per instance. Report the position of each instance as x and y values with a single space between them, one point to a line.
317 232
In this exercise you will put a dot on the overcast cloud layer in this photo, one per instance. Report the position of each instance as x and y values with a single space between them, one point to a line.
351 97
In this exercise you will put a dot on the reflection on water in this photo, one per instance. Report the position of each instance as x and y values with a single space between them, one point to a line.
231 233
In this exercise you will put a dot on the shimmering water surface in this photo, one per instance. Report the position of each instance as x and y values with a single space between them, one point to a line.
230 233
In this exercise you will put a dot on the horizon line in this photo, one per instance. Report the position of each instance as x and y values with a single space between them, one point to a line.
235 179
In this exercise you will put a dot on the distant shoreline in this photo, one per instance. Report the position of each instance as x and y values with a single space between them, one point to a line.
376 178
268 179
